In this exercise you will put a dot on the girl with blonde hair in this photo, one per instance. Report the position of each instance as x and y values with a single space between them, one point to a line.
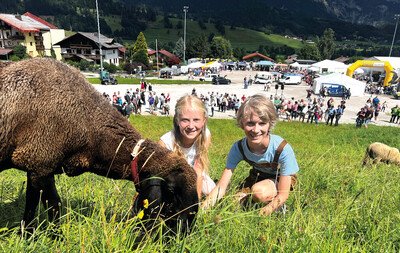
190 138
273 162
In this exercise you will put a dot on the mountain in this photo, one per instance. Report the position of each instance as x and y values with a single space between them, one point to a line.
370 19
366 12
350 19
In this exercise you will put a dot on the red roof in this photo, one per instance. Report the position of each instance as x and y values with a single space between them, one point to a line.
151 51
257 54
5 51
169 55
40 20
24 23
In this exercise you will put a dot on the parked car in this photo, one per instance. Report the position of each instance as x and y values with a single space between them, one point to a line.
290 80
335 90
262 80
220 80
208 77
264 77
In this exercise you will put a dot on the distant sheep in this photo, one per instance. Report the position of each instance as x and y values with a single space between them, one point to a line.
379 152
53 121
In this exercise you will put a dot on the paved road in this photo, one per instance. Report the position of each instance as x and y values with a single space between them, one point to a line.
297 91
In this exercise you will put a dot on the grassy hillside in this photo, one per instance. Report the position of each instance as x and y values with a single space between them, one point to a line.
338 206
239 37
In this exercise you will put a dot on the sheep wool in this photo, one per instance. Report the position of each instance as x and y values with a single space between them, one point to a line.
53 121
380 152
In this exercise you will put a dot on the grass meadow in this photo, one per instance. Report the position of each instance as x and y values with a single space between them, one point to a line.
239 37
124 80
337 206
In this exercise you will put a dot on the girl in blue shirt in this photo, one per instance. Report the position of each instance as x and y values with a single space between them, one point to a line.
273 160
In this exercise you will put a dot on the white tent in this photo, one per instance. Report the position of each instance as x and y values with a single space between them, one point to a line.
213 64
329 66
356 87
299 66
195 65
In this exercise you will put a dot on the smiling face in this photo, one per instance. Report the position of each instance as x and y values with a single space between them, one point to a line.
257 132
191 123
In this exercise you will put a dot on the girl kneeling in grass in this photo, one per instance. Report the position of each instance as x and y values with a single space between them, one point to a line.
273 160
191 139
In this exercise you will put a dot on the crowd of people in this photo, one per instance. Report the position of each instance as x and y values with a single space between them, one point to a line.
133 101
311 109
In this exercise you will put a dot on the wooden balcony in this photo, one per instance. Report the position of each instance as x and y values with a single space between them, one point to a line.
40 47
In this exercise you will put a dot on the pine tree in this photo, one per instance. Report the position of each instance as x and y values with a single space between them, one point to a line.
179 47
326 44
139 51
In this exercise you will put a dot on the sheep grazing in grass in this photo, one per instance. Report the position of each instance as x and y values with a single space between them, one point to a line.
53 121
379 152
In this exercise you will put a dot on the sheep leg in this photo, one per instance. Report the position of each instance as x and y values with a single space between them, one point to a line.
376 160
40 187
50 198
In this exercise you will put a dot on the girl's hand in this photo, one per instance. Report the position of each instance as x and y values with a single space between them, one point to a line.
266 210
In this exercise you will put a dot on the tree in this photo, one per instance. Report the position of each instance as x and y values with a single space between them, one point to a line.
19 51
179 47
139 51
326 44
83 65
198 47
221 48
309 52
220 27
179 25
202 25
238 53
167 22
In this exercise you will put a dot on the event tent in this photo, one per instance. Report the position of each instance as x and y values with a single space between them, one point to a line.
329 66
212 64
264 63
356 87
195 65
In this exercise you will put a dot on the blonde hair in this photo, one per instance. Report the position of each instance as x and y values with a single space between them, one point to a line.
201 144
259 105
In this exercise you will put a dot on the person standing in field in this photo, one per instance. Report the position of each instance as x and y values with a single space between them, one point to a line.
190 138
274 165
338 114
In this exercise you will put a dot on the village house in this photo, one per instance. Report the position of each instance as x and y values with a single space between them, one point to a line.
84 45
37 35
164 57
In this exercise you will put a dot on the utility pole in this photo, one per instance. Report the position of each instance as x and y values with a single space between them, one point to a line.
98 32
185 10
157 57
396 17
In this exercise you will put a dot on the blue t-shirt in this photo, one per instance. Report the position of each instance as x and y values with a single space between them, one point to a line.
287 159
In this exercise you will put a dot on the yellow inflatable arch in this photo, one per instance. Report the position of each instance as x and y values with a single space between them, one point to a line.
368 63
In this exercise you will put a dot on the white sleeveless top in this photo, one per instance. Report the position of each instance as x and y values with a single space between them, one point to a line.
190 155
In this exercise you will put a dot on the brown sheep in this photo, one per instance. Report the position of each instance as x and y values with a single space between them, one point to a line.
53 121
379 152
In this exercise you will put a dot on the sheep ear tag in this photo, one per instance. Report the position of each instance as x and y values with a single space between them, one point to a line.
145 206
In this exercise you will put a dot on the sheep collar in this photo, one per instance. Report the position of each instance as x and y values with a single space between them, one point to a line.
134 154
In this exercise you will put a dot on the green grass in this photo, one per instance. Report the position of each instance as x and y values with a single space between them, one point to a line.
123 80
338 206
239 37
